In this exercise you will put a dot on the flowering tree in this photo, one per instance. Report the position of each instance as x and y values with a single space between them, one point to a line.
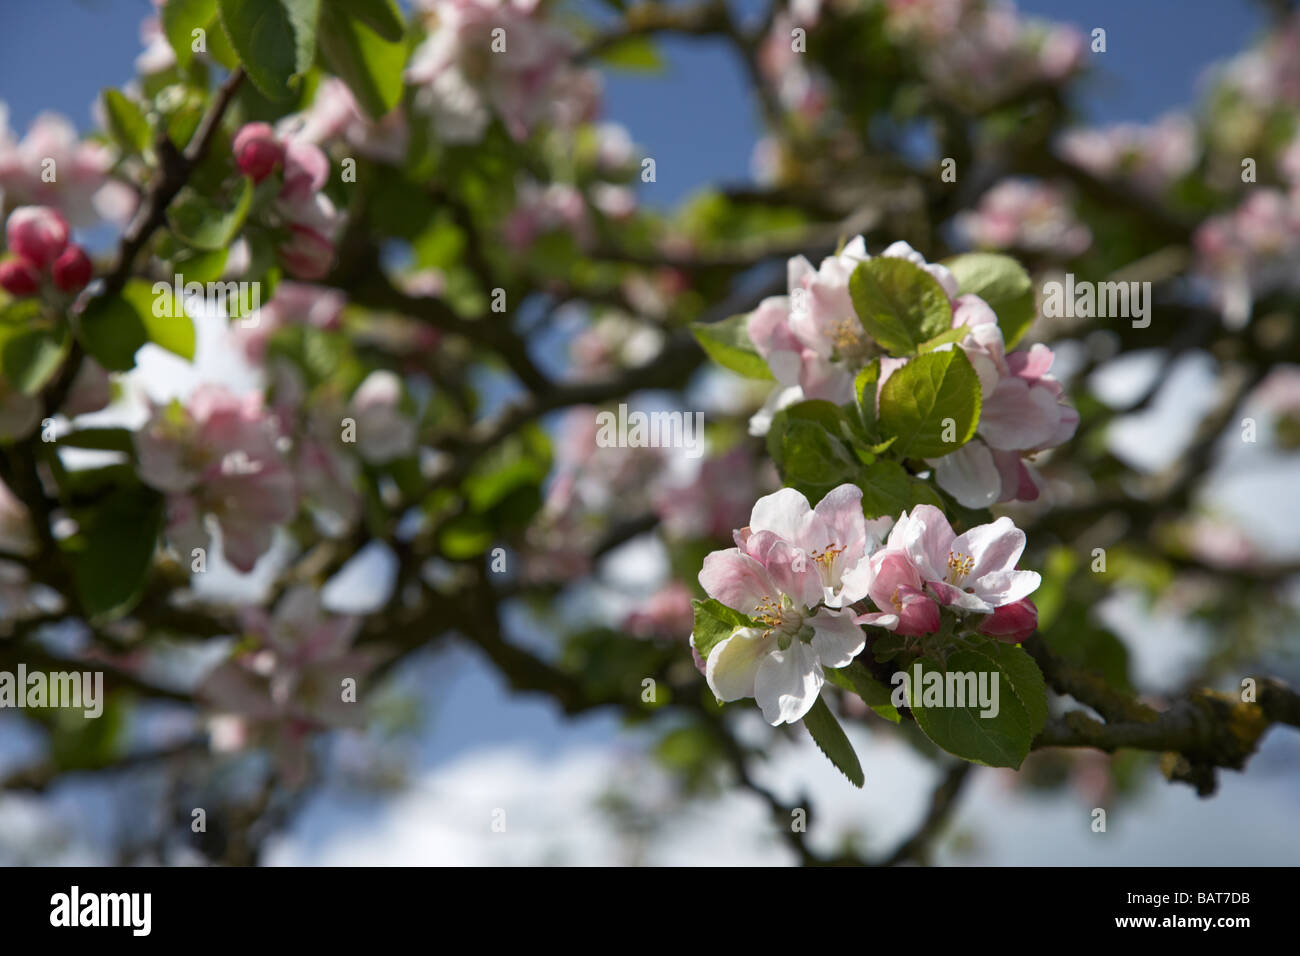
897 493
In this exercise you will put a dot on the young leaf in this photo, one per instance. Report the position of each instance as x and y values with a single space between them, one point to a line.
899 303
832 741
1001 282
275 40
30 359
728 344
932 404
367 61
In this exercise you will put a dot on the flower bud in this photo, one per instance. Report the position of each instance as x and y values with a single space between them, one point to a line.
72 270
307 254
1011 623
19 277
37 234
257 152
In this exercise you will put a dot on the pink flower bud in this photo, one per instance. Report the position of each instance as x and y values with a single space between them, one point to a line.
257 152
72 270
19 277
306 170
1011 622
307 254
37 234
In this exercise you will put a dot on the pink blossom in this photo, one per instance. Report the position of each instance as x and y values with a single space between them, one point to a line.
79 187
1012 622
220 457
384 431
72 270
19 278
306 170
293 303
792 568
666 613
1024 214
307 254
543 209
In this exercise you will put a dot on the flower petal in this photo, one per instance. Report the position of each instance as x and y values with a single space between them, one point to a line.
836 639
734 661
787 683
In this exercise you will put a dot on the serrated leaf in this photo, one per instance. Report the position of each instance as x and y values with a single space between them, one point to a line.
275 40
727 343
933 397
368 62
899 303
833 742
887 489
1001 282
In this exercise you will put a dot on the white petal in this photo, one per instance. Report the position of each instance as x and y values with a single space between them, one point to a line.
1007 587
785 513
969 475
995 547
836 639
733 663
787 683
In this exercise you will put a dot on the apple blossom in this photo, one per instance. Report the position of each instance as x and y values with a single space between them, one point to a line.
790 565
384 431
218 456
307 254
973 571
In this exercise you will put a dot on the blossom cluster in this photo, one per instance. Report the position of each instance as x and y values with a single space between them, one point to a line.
302 206
497 58
1250 251
1024 214
812 577
816 349
1152 156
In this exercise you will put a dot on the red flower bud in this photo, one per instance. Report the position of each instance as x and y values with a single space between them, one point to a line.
1011 623
19 277
37 234
307 254
73 269
257 151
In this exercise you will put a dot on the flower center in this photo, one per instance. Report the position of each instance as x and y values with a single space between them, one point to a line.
847 338
826 561
959 565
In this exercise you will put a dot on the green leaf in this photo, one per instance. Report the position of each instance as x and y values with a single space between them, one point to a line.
112 551
275 40
636 53
465 536
934 397
370 64
1001 739
382 16
114 327
944 338
180 18
203 224
31 358
800 442
1001 282
727 343
714 622
832 741
899 303
126 122
857 679
887 489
